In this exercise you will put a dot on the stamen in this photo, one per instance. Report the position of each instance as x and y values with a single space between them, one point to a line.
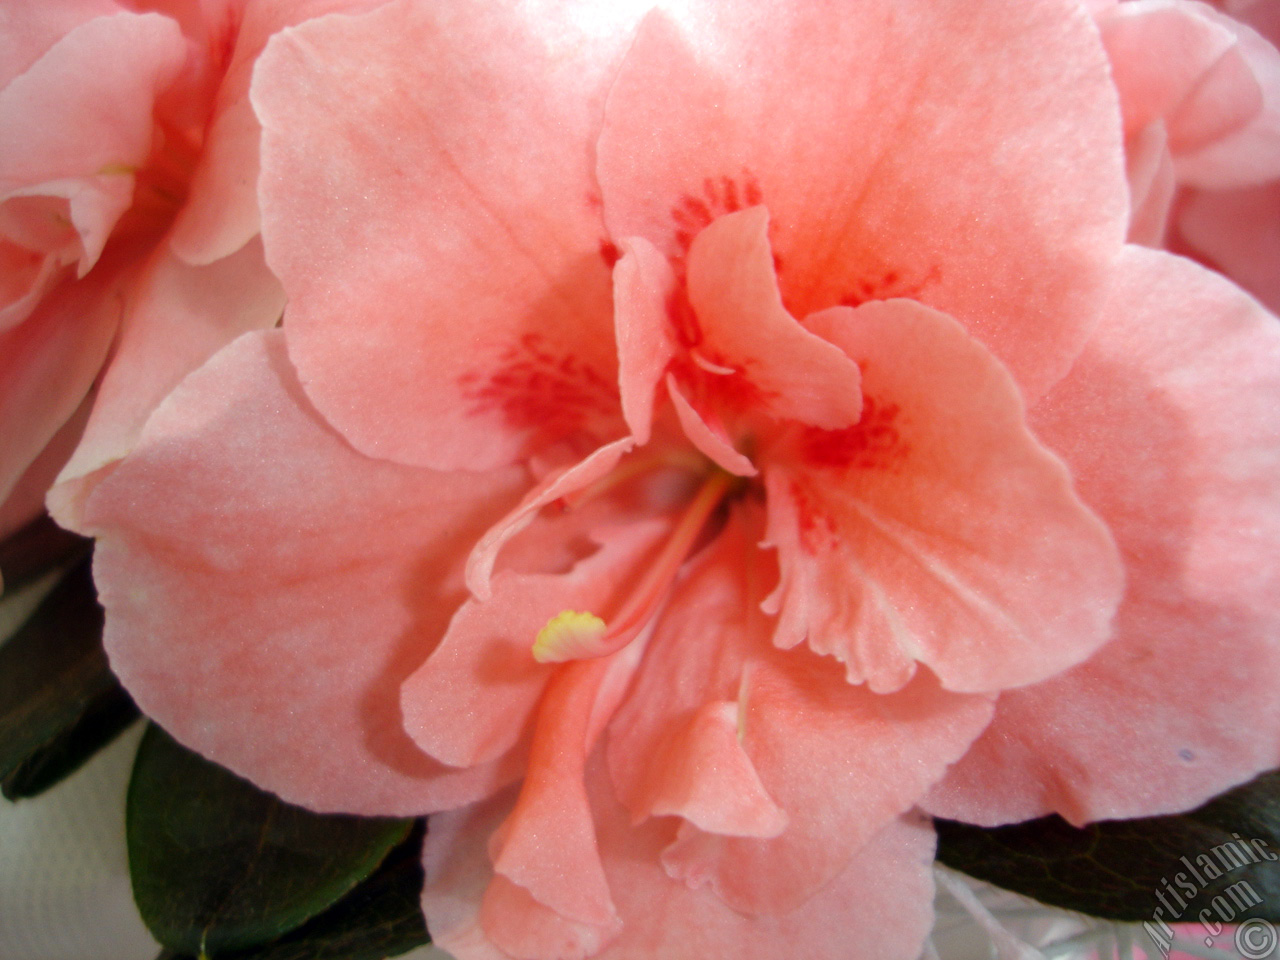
576 636
569 635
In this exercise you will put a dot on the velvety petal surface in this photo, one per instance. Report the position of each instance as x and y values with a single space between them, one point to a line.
1171 425
268 589
422 142
547 846
221 213
643 287
28 28
1251 154
665 920
1172 63
938 530
839 761
859 153
770 364
1209 82
176 317
706 777
1152 185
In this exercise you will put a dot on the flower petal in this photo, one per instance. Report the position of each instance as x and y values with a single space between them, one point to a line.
56 223
48 364
1237 231
859 152
711 441
643 285
708 779
701 645
176 317
548 845
840 761
66 135
742 326
664 919
938 530
523 927
268 589
221 213
1152 183
31 27
484 177
484 668
1173 63
1249 155
1170 423
26 275
25 500
555 485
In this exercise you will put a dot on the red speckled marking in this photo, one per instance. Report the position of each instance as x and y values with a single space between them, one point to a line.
691 215
887 286
730 393
609 253
720 195
683 320
873 443
534 388
817 529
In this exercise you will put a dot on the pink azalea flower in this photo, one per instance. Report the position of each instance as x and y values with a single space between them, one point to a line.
1200 92
697 440
128 221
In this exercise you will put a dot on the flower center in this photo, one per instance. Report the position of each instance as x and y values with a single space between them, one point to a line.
160 184
580 635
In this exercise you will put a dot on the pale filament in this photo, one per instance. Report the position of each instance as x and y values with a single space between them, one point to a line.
631 468
568 636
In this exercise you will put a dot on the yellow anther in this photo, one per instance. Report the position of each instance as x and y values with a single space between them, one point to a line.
569 635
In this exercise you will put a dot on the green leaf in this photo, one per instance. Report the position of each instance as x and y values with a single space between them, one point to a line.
59 701
1165 868
382 917
219 865
36 549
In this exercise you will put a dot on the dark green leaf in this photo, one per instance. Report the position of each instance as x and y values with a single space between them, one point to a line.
1162 868
36 549
219 865
382 917
59 702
